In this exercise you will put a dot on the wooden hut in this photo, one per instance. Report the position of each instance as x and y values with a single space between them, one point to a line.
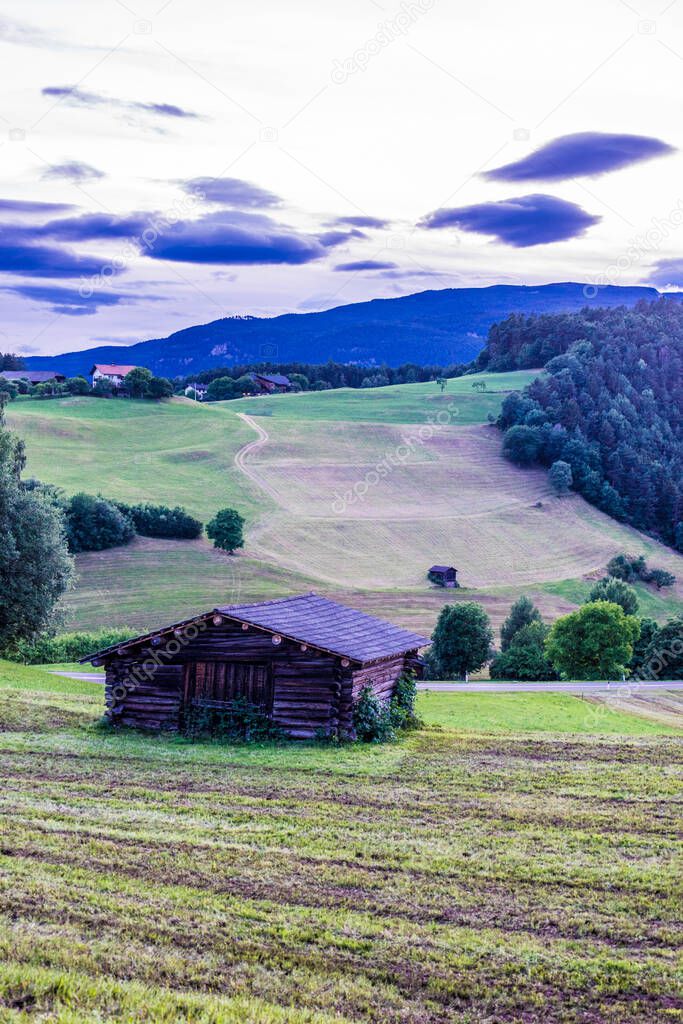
303 660
444 575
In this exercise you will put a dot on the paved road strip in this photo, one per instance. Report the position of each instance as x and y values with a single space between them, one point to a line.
588 687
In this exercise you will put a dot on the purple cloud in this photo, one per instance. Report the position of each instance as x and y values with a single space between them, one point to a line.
73 170
78 97
91 226
232 192
330 239
584 153
367 265
520 222
29 206
19 255
359 222
667 273
70 301
235 238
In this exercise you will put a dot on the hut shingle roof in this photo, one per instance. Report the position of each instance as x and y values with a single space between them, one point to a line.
325 624
313 620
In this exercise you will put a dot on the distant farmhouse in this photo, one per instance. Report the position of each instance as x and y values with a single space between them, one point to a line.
302 660
33 376
114 373
272 383
443 575
196 391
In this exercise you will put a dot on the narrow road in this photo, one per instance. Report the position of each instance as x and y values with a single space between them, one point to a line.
615 686
89 677
589 687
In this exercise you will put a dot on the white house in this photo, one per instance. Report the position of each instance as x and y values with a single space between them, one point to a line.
111 372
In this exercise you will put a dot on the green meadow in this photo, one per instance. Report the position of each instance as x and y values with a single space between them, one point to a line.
460 403
460 876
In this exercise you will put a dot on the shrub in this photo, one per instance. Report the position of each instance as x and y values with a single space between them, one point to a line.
242 722
50 650
631 568
35 568
225 530
595 642
663 658
561 477
616 591
94 524
660 578
522 613
402 706
159 387
525 658
162 521
103 388
220 389
77 386
137 381
372 718
461 641
522 445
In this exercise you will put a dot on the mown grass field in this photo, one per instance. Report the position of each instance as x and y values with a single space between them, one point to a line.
462 875
356 507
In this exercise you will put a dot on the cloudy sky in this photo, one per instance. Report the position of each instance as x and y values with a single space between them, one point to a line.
166 163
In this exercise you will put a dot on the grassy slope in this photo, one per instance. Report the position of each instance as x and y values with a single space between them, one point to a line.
137 450
452 877
399 403
449 496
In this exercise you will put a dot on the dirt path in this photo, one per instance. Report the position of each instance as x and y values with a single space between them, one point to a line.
253 446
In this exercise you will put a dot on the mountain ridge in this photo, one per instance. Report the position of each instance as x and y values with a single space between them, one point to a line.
434 327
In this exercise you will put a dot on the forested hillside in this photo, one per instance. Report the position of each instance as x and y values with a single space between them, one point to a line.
610 406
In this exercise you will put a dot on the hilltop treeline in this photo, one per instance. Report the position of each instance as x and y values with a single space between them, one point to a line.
11 361
526 342
320 377
610 406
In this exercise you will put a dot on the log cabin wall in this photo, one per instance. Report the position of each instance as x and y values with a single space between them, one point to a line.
305 683
308 690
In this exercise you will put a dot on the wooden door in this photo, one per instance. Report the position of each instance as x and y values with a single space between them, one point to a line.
220 682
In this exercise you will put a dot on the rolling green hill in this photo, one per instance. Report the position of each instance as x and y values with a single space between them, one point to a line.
352 493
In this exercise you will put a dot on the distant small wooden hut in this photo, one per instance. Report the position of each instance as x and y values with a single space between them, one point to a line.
443 575
303 660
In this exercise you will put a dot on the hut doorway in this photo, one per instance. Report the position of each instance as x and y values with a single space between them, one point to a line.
220 682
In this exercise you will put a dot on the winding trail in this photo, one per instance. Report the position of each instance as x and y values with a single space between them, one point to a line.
248 449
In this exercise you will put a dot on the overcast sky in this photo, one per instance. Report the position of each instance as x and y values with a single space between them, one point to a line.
203 159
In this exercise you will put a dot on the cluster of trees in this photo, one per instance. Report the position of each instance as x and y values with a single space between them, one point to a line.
94 523
603 639
11 361
314 377
606 414
48 389
634 567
